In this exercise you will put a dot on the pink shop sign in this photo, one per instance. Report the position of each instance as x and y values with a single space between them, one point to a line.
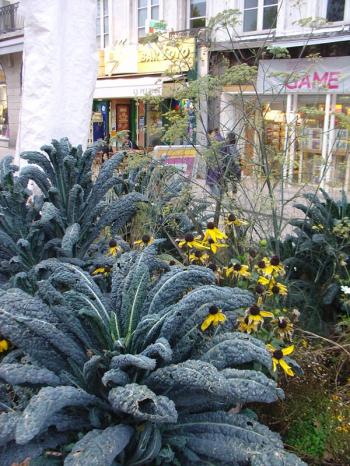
322 76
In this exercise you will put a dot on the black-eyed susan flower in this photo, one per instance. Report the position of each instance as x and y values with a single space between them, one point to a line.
214 246
277 358
284 328
113 248
256 314
261 266
192 242
238 270
259 289
146 240
215 317
233 220
213 233
274 267
276 289
246 327
4 345
199 257
105 271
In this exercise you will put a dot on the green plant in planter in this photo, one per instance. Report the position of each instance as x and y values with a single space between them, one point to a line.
69 213
129 377
317 258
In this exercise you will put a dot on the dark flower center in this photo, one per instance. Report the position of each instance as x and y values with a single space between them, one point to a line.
210 225
275 260
112 243
275 289
282 323
261 264
172 262
237 267
246 320
259 289
277 354
211 241
189 237
146 239
213 310
107 269
231 218
254 310
198 254
212 267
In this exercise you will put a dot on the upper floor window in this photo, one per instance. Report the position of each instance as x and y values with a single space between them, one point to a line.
335 10
102 26
259 15
146 10
197 13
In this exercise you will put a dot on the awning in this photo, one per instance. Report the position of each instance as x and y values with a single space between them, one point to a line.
131 87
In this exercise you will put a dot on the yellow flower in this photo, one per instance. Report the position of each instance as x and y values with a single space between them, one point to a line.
233 220
113 248
255 314
277 288
264 281
274 266
215 246
192 242
277 358
246 327
262 265
284 328
146 240
318 227
102 271
214 317
4 345
198 257
238 270
213 233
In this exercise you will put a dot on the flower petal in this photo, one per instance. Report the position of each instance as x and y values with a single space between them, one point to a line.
286 367
207 322
288 350
266 314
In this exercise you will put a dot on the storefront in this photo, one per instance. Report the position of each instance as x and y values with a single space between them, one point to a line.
127 109
303 109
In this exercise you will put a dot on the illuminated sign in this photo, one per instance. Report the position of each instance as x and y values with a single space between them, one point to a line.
164 55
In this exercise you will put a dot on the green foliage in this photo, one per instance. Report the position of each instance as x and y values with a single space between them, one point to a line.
69 213
128 375
317 258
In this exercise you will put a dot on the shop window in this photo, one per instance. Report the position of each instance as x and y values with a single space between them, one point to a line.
146 10
4 126
259 15
339 144
102 24
197 13
335 10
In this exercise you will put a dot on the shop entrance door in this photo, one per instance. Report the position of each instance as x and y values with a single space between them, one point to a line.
123 117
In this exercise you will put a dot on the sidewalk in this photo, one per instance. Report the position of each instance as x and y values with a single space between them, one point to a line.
7 151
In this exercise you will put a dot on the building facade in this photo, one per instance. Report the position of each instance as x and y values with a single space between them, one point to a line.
11 47
293 27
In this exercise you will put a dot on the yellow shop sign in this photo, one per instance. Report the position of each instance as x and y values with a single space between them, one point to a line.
158 57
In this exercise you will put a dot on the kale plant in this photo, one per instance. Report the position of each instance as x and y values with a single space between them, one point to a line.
317 256
128 377
67 216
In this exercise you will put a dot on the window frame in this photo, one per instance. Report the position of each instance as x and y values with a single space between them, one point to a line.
190 18
105 19
148 16
324 13
260 17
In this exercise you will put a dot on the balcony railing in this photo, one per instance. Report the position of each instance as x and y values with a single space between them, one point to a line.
10 20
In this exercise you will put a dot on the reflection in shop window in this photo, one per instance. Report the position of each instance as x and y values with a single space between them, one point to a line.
339 144
4 127
335 10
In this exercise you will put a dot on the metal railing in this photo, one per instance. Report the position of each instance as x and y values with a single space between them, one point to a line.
10 20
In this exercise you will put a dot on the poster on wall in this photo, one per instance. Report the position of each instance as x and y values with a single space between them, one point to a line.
123 117
184 158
